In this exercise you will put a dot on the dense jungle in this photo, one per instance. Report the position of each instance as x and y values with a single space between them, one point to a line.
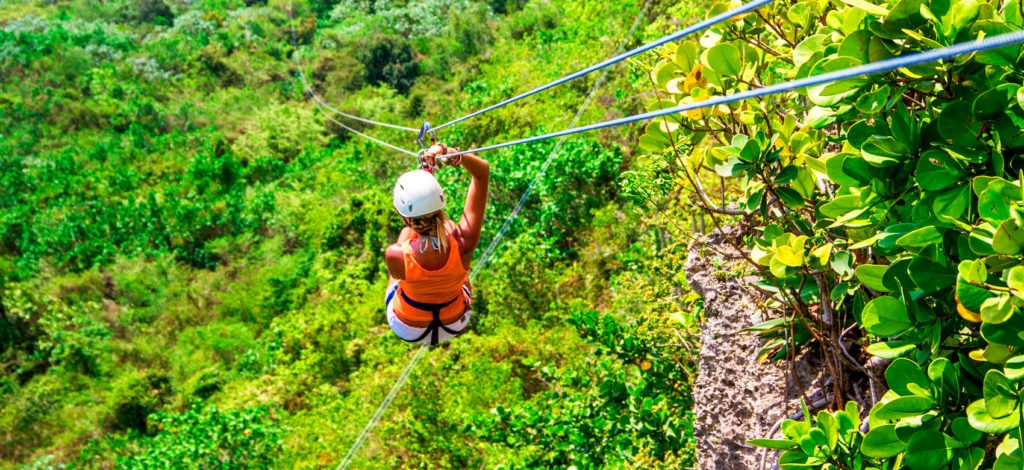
193 227
192 253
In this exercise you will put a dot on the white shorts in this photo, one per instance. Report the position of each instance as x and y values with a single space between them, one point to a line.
410 333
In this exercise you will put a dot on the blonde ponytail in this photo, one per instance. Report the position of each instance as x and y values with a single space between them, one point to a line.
433 225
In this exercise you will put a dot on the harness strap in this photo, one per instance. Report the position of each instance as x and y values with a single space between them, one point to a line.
435 323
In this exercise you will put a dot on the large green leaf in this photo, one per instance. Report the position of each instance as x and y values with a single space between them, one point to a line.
970 295
882 442
944 374
1005 56
952 203
906 14
1014 368
975 271
921 237
885 316
904 372
932 174
1007 332
725 59
930 276
664 72
871 275
891 349
1000 396
1012 461
905 407
1009 238
959 16
686 56
864 46
927 451
958 126
997 309
1015 281
980 240
993 103
790 197
807 48
874 101
995 198
884 151
981 420
832 93
970 458
963 431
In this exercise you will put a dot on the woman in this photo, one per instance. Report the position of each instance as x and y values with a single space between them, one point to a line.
428 294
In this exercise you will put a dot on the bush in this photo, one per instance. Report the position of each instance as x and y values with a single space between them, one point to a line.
390 60
890 204
134 397
208 438
149 11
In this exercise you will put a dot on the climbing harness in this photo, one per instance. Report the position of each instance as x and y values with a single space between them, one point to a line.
435 323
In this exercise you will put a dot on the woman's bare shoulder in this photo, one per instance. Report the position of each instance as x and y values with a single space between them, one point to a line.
394 251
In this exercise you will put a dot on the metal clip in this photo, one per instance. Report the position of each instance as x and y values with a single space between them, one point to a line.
423 164
426 131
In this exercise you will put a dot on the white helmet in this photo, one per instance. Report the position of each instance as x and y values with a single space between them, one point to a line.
418 193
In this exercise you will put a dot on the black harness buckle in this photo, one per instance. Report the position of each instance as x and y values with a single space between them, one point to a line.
435 323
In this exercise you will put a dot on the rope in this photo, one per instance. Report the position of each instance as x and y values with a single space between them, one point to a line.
384 405
374 139
746 8
365 434
357 118
323 105
485 257
883 66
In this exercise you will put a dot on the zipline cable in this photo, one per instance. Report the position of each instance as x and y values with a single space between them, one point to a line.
357 118
746 8
322 104
374 139
485 257
384 405
364 435
888 65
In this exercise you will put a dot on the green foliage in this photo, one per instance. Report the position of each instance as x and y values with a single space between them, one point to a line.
207 438
831 440
390 60
889 202
134 397
638 400
190 254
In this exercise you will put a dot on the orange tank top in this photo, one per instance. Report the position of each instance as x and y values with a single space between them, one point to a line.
432 286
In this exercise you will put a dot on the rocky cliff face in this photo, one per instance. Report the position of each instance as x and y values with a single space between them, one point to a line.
736 397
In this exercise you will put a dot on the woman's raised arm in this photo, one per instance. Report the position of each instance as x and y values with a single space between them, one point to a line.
476 199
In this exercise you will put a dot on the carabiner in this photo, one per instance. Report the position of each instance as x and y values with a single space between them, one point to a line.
426 131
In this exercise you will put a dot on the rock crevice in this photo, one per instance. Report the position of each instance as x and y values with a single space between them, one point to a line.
736 398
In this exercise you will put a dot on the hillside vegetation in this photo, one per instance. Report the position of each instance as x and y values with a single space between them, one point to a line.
191 269
191 255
